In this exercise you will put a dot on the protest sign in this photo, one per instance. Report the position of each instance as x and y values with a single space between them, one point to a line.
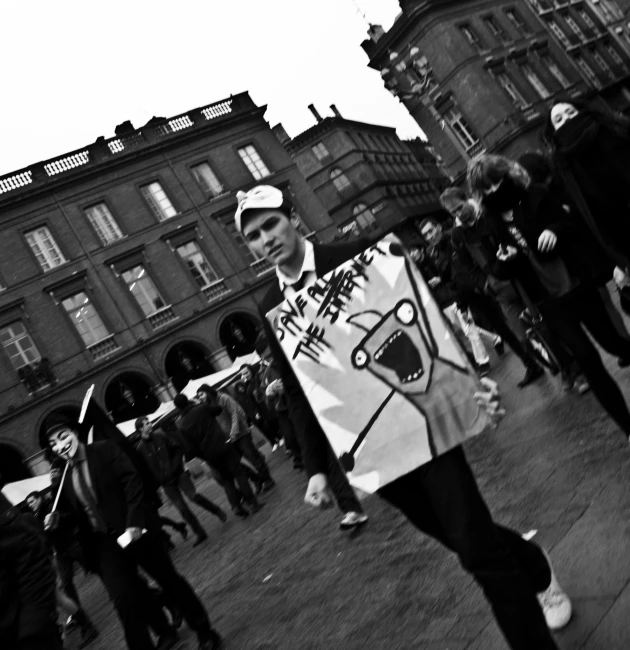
379 365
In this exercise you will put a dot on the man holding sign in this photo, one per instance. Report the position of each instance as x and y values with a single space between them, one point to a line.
412 368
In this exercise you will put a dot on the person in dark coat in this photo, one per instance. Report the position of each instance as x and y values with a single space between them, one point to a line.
103 496
28 605
204 439
541 245
440 498
164 456
591 153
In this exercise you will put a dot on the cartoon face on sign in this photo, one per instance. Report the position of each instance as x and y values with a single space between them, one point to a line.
379 365
395 349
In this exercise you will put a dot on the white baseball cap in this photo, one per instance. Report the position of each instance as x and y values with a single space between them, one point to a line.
261 197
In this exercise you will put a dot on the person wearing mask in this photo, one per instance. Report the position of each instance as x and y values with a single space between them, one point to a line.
203 438
591 154
484 293
440 498
118 529
164 456
537 242
541 170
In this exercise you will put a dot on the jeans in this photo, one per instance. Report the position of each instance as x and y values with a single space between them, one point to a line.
566 318
185 487
248 450
442 500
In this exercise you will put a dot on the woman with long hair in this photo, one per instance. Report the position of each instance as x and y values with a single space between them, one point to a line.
591 153
541 246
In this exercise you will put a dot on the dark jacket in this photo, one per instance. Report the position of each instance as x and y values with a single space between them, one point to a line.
201 435
311 438
164 456
540 210
27 580
120 495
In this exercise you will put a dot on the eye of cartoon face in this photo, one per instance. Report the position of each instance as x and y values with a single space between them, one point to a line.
360 358
406 312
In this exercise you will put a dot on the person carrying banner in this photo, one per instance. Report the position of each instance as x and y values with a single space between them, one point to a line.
441 497
119 530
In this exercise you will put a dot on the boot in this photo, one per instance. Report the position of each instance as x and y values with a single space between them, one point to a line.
88 631
255 505
533 372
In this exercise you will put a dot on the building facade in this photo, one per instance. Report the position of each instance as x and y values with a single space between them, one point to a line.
120 267
480 75
369 180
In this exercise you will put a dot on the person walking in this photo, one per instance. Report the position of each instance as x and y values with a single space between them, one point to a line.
537 242
203 438
119 531
164 456
233 421
441 497
591 153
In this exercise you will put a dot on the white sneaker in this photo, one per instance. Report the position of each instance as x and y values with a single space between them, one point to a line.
274 447
281 442
555 603
352 520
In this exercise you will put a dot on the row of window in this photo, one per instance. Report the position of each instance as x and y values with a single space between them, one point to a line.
49 255
494 27
83 315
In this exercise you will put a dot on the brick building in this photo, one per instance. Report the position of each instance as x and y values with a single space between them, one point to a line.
369 180
120 267
479 75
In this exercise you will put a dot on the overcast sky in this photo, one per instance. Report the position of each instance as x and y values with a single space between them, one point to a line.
73 69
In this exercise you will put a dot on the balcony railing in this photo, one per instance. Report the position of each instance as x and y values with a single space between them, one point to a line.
215 290
37 375
104 149
162 317
260 267
103 348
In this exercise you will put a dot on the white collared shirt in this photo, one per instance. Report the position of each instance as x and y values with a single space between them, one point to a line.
308 272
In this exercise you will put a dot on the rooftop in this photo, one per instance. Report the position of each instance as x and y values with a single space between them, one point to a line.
157 132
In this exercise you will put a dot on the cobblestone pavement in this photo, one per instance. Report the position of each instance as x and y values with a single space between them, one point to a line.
286 578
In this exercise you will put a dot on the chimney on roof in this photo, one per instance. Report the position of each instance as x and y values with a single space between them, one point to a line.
313 110
124 129
376 32
281 134
334 109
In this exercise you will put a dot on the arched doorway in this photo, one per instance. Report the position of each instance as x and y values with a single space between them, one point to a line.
185 361
12 467
129 396
238 334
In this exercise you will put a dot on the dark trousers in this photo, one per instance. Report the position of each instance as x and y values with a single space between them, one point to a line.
66 560
566 318
491 311
46 639
137 609
442 500
343 492
185 487
248 450
230 475
287 431
150 554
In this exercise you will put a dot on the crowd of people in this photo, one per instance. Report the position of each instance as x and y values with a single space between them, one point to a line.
525 262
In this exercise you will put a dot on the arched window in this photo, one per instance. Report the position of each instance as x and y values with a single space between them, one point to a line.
340 180
364 216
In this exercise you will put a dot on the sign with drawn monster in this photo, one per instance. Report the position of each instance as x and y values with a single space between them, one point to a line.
379 365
